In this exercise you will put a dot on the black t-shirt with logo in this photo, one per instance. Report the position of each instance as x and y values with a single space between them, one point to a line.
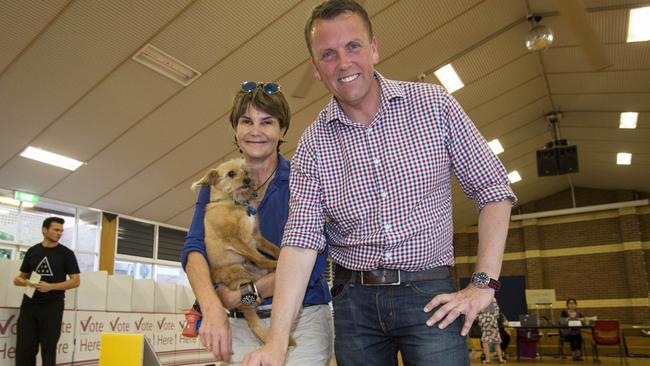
54 265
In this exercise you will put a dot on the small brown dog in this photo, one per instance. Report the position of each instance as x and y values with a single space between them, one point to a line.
232 236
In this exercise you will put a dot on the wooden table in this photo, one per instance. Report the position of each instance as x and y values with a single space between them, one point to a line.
556 326
641 330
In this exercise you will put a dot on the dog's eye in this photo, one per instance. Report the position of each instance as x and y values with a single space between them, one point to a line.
231 174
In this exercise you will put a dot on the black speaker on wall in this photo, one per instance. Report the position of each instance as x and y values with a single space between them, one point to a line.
557 160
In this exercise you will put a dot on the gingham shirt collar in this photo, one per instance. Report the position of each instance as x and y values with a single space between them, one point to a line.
390 89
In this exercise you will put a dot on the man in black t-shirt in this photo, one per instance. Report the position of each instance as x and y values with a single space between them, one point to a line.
40 317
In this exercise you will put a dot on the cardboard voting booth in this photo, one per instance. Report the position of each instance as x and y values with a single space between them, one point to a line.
116 310
126 350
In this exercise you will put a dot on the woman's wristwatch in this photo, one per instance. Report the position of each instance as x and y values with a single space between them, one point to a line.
249 293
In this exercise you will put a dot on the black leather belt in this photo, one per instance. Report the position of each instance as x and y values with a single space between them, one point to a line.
391 277
263 313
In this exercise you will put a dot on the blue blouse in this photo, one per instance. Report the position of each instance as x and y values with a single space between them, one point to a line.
273 212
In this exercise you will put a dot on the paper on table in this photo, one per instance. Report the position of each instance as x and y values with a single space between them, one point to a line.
34 279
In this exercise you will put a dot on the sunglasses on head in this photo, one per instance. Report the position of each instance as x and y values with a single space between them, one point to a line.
268 88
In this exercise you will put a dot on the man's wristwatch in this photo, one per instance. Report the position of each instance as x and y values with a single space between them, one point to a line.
249 295
483 280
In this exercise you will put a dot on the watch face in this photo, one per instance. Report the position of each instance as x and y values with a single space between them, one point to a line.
481 279
248 299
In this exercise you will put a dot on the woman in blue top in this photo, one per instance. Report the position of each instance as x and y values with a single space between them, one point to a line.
260 118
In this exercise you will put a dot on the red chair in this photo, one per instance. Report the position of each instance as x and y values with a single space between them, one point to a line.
607 333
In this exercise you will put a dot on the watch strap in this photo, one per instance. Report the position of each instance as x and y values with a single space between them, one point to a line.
483 280
494 284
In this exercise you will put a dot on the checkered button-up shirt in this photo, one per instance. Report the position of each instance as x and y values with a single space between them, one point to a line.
380 196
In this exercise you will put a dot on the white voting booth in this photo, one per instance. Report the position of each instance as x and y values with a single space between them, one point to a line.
108 304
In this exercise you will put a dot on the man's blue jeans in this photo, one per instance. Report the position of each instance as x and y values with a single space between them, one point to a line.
373 323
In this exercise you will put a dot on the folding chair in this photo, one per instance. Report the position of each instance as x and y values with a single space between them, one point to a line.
607 333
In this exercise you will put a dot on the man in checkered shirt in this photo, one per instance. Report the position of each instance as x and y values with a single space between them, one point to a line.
371 179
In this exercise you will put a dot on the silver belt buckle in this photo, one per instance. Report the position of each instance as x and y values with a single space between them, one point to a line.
399 280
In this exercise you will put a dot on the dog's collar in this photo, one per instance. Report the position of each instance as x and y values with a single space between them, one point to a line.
250 210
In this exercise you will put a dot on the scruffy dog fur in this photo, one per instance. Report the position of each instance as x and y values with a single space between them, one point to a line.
232 236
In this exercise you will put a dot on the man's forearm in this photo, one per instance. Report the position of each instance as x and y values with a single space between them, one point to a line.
291 278
66 285
493 224
198 273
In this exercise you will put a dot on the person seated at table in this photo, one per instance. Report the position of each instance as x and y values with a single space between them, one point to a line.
572 335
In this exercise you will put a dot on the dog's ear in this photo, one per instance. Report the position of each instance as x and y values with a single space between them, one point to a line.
208 180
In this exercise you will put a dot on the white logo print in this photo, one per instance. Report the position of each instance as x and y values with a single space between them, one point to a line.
44 268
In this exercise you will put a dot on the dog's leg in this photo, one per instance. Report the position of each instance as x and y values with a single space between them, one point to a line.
254 256
254 322
266 246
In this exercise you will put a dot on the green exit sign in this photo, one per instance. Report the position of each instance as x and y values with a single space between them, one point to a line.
26 197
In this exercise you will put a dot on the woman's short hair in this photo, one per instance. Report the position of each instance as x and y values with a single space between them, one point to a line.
274 104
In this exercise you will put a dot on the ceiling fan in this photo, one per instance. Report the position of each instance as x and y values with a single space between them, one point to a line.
574 13
307 79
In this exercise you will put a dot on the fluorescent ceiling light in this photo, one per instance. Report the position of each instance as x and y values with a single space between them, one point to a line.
449 79
637 28
51 158
623 158
12 202
514 176
628 120
496 147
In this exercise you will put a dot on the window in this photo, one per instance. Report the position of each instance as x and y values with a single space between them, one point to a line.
87 243
20 228
31 222
5 253
135 238
88 231
169 274
149 250
8 223
133 269
87 262
170 243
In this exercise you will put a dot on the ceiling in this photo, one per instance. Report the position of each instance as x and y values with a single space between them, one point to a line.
68 85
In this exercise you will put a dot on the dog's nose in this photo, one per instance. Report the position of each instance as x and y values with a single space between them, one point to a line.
247 181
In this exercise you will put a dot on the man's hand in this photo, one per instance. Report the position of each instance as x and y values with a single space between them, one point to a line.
230 299
468 301
266 355
215 333
43 286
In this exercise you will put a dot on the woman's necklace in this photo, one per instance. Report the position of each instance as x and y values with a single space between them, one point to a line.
256 190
